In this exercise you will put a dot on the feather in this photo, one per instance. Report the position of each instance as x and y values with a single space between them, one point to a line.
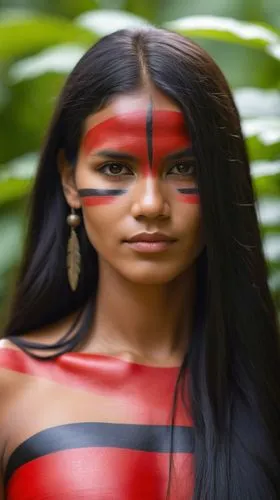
73 260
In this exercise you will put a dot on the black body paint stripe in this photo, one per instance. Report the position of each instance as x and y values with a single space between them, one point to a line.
152 438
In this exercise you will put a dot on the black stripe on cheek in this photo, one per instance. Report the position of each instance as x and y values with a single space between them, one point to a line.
188 190
101 192
154 438
149 133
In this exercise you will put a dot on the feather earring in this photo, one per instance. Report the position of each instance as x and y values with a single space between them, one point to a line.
73 251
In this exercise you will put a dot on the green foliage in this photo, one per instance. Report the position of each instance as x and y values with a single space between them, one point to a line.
38 48
23 36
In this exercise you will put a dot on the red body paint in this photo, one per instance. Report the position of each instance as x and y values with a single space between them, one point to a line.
100 454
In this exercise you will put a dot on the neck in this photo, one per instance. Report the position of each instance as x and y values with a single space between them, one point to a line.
143 322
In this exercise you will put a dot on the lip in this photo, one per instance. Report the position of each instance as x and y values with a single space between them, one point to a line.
151 238
150 242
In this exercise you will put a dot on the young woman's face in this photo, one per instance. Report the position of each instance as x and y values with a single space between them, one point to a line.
136 174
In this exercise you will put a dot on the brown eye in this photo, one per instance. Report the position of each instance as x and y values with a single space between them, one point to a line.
114 169
185 168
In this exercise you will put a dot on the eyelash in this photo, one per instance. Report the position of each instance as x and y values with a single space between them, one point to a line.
117 176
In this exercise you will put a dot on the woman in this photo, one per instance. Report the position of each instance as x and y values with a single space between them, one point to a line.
160 333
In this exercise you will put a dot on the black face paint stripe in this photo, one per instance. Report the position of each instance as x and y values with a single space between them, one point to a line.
151 438
101 192
149 133
188 190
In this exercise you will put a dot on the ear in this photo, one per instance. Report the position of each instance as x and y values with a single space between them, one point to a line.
68 181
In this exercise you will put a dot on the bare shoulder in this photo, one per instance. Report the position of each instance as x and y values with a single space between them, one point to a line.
11 379
14 379
7 349
12 360
11 387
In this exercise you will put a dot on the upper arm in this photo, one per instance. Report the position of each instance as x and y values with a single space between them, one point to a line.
4 389
9 387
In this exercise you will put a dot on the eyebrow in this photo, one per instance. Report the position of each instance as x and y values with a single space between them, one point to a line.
125 156
180 154
115 154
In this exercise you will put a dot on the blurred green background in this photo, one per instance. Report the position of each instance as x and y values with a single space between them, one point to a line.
41 41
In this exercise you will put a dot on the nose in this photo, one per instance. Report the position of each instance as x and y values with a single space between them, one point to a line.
149 200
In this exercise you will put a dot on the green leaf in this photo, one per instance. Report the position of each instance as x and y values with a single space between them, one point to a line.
11 241
260 151
274 280
23 36
146 8
16 178
274 50
58 59
269 210
13 189
227 29
20 168
266 129
260 169
271 245
104 22
256 102
26 117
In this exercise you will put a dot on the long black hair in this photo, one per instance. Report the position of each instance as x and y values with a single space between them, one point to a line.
234 353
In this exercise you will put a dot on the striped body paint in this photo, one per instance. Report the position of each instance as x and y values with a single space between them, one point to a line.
116 442
146 137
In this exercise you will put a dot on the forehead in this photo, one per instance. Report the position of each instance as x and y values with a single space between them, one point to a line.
133 103
164 126
129 121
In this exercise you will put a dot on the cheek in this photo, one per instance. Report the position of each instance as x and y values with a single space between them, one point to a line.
188 220
101 221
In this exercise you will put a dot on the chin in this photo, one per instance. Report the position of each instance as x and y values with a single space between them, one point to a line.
152 275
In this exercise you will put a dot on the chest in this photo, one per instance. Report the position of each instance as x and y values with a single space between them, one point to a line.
97 460
106 435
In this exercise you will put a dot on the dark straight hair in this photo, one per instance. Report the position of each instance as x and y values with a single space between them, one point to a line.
234 354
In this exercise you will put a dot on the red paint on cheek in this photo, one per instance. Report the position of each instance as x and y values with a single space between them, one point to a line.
192 199
90 201
189 195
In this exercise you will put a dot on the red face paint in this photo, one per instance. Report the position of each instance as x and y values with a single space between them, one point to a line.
149 136
189 195
93 197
